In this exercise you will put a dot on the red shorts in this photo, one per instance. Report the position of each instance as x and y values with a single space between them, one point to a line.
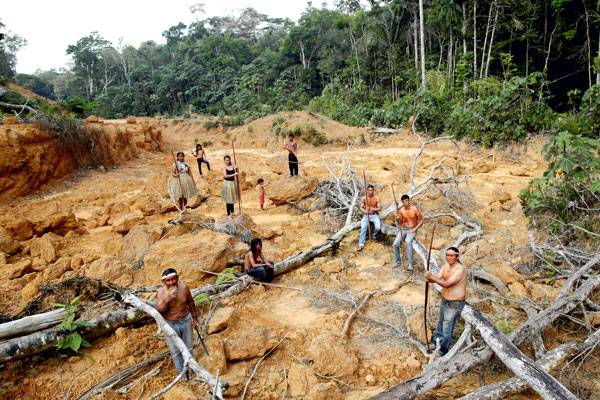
261 199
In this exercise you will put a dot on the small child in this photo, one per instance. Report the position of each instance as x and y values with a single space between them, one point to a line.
261 192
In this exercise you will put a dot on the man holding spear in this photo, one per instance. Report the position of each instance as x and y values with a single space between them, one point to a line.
370 205
410 220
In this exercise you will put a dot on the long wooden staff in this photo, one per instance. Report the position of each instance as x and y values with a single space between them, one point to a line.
178 174
401 238
237 179
254 282
367 204
427 285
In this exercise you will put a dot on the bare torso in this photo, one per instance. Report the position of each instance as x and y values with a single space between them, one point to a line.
199 154
410 216
459 290
252 262
177 308
292 147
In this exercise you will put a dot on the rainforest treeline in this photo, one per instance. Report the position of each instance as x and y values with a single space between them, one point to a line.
491 70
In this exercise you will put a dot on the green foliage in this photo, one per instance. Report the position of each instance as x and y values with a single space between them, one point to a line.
211 124
78 106
505 326
73 341
202 299
568 191
226 275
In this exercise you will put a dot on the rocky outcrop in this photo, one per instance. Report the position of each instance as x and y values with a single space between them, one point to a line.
291 189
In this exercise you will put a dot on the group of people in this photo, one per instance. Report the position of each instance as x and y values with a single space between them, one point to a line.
183 186
174 300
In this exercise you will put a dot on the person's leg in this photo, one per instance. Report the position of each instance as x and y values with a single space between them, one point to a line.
291 164
396 245
410 237
364 224
376 224
187 335
439 330
257 273
207 164
451 313
270 272
229 208
175 353
295 164
199 161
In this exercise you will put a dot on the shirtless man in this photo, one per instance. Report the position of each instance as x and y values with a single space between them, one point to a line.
292 147
453 280
255 263
371 205
174 301
200 155
410 220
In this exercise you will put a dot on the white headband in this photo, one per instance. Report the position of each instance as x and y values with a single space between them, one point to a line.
169 275
452 252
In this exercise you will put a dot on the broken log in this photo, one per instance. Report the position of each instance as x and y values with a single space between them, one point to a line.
32 323
539 380
25 346
548 362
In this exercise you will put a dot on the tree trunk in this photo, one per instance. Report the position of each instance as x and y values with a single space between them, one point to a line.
416 37
474 39
487 31
487 64
422 35
32 323
522 366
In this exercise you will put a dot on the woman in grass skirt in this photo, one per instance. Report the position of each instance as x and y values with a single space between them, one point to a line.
229 190
183 186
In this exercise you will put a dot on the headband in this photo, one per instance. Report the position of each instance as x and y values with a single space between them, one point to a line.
169 275
452 252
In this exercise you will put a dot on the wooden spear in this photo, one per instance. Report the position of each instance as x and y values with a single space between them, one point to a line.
401 238
255 282
427 286
367 204
237 179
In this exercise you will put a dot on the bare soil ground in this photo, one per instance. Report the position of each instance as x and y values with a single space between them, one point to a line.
370 361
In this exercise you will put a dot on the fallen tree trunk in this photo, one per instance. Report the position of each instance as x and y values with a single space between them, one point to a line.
440 373
32 323
218 386
25 346
525 368
548 362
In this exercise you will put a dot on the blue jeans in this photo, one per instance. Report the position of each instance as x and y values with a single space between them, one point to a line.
263 274
183 328
408 239
449 312
364 227
200 161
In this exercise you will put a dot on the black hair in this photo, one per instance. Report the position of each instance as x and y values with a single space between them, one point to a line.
253 244
369 186
291 135
198 145
455 250
169 271
404 197
226 157
260 180
180 153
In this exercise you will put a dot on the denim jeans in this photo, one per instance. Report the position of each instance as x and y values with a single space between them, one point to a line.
364 227
183 329
263 274
200 161
449 312
408 239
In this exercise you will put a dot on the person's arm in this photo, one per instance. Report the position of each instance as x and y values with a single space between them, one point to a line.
265 263
378 205
163 298
224 170
452 280
399 218
191 305
175 171
419 219
362 205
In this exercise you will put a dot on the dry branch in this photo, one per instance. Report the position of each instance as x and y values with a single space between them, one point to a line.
32 323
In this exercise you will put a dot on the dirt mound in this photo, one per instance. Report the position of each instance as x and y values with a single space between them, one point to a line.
34 155
26 92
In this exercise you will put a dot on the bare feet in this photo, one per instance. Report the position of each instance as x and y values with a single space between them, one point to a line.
410 268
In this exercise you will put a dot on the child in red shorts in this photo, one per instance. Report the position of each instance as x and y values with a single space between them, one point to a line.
261 191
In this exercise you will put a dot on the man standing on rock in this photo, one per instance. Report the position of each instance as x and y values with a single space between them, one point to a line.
370 205
174 301
410 220
292 147
452 277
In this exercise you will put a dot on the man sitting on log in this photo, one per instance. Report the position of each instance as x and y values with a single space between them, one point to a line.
176 304
370 205
255 263
452 277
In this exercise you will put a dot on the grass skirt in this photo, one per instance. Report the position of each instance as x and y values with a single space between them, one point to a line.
186 189
229 192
